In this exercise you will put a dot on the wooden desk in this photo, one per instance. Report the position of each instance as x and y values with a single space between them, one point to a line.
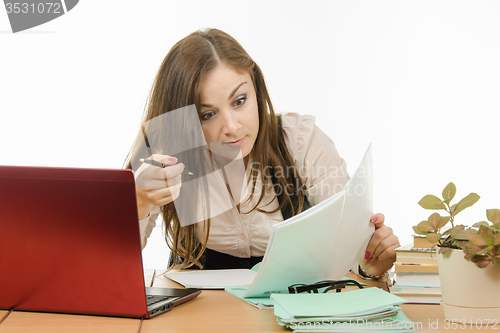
218 311
3 314
212 311
19 321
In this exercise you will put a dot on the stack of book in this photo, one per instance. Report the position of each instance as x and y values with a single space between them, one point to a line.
417 273
420 242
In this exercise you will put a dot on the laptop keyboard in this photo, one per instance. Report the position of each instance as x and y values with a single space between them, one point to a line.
151 299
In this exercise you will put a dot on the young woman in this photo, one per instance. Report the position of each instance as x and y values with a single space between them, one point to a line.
290 163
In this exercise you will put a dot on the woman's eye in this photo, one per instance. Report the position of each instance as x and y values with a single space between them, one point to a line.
240 101
207 116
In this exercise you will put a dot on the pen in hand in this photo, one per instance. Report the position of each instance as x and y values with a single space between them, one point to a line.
161 165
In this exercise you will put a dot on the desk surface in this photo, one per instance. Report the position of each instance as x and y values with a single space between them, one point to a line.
212 311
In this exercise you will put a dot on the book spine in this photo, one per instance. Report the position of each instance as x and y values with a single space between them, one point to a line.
416 268
413 264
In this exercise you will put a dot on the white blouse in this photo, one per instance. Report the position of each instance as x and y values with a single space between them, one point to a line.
320 169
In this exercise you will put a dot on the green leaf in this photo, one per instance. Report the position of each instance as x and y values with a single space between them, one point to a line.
443 250
483 252
470 248
419 231
493 215
496 226
433 237
452 208
482 223
455 228
449 231
478 240
449 192
486 233
480 261
497 259
425 226
496 241
461 244
463 234
434 220
431 202
444 221
466 202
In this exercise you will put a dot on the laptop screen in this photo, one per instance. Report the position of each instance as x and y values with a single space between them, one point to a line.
69 241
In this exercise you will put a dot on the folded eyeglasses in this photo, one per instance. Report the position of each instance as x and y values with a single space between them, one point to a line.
338 285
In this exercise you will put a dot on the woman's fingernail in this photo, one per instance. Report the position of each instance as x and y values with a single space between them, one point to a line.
368 256
374 219
172 159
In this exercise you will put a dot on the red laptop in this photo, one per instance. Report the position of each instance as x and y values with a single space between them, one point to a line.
70 242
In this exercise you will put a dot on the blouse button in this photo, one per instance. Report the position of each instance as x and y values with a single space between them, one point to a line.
242 236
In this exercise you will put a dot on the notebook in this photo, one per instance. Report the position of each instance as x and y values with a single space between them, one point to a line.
70 243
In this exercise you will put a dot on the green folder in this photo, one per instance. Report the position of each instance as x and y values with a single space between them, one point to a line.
351 302
398 323
362 310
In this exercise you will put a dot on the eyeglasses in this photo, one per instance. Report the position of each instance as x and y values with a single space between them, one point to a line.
338 285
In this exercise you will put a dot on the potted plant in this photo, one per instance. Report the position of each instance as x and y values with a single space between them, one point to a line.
470 287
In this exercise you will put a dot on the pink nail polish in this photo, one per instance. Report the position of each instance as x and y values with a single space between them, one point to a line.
172 159
374 219
368 256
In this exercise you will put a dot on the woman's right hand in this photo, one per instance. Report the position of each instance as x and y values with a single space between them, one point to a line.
157 186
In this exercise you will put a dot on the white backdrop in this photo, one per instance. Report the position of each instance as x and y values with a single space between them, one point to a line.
419 79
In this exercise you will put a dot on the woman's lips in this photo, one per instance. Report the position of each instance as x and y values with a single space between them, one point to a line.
235 143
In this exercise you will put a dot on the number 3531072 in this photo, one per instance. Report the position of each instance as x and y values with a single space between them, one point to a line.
491 324
40 8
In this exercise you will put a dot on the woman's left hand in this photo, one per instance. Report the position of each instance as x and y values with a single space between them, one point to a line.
380 255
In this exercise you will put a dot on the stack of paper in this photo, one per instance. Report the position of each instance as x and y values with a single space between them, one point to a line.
363 310
213 279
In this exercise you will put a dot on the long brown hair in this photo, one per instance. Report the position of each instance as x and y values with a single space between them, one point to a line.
177 84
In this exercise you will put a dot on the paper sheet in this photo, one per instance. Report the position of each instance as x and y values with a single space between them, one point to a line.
353 302
321 243
261 302
258 302
318 244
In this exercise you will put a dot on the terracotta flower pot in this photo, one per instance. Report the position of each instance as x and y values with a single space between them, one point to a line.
469 293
